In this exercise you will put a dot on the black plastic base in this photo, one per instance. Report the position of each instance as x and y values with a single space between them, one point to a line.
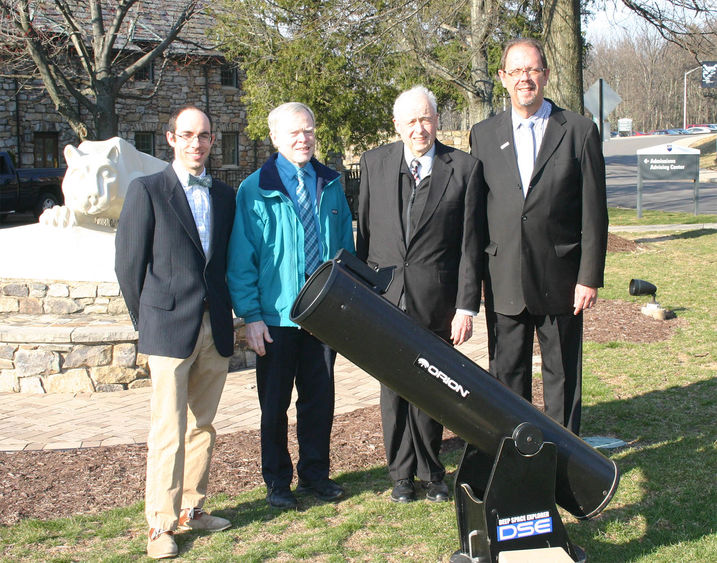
509 504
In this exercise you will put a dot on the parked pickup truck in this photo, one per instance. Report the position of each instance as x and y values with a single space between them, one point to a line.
29 189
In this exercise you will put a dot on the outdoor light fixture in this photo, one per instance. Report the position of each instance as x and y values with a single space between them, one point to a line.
642 287
653 308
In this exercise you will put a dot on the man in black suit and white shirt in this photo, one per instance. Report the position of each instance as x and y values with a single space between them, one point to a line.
544 180
419 212
171 261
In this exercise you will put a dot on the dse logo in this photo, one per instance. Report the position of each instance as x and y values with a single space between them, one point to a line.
525 529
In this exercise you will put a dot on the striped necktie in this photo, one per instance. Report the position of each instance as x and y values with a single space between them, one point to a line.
306 214
414 170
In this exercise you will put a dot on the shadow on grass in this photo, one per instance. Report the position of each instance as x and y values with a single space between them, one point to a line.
671 433
687 235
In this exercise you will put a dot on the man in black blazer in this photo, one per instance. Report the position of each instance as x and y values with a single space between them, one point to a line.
171 260
544 181
419 212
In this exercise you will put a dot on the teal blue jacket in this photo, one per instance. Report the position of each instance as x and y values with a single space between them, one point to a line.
266 251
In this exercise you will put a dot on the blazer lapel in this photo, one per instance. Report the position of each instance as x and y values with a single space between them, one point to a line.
506 146
213 218
178 202
554 133
391 170
440 175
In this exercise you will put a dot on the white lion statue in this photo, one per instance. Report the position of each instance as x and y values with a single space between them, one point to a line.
95 184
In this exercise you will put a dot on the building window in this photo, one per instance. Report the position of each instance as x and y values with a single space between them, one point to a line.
145 74
144 141
230 149
46 153
229 76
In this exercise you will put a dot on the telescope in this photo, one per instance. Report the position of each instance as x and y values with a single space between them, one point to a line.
517 462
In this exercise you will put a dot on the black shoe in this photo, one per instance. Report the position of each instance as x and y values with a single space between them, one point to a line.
281 497
437 491
403 491
325 489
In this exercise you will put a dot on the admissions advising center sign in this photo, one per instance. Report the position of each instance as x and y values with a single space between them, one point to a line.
668 162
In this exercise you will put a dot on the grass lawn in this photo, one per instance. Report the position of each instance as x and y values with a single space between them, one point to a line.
624 216
708 151
661 398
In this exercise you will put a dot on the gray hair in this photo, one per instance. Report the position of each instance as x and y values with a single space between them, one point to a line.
278 112
416 90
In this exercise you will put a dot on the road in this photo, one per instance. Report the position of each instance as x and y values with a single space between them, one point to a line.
665 195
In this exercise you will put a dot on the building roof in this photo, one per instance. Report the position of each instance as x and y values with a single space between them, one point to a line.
147 23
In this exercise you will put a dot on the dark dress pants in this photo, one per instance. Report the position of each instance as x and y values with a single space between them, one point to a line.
510 349
412 439
295 357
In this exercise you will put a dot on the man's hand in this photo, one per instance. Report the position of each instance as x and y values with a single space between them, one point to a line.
256 333
461 328
585 297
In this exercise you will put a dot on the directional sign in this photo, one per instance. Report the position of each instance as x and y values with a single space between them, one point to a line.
668 162
610 98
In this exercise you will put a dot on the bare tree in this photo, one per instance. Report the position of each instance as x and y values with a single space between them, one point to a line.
679 21
648 72
85 51
450 41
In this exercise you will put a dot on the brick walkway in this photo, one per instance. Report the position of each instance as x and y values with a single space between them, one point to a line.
82 420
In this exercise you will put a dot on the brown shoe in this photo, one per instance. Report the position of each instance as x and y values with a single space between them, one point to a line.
161 545
197 519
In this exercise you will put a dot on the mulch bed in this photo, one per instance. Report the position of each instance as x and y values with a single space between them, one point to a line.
51 484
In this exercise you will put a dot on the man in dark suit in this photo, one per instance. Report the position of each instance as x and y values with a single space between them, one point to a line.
419 212
544 178
171 260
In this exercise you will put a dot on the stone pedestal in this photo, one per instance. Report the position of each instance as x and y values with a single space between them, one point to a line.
69 336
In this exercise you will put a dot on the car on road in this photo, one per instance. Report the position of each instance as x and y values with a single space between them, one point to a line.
28 189
698 130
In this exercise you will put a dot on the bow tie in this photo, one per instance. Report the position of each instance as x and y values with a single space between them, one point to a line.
205 181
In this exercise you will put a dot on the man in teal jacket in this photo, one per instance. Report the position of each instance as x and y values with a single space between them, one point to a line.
291 216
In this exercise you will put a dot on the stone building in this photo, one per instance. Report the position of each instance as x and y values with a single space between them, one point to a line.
35 134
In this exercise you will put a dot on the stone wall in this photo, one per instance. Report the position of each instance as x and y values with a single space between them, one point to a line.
73 337
52 355
456 139
197 82
60 298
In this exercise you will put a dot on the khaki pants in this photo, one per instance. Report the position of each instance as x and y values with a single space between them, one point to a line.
185 396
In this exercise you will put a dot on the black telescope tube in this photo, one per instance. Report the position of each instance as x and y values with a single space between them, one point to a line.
338 307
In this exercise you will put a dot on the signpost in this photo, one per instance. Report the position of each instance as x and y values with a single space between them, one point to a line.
668 162
600 100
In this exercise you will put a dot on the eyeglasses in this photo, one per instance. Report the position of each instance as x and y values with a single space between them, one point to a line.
204 138
532 72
